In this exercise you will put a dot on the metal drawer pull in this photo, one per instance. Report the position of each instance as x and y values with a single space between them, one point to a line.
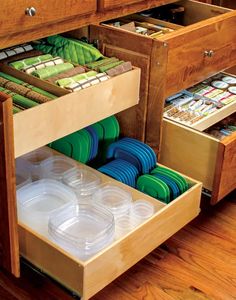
209 53
30 11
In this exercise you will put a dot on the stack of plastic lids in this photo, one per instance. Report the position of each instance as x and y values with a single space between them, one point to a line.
56 167
163 184
83 181
82 229
32 161
89 144
37 200
113 198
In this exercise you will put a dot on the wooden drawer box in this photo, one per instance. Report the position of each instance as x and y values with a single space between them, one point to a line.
38 126
88 277
173 61
14 17
201 156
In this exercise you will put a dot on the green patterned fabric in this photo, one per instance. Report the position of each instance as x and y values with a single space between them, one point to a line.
19 100
20 64
107 67
66 81
104 61
16 109
52 70
33 88
72 50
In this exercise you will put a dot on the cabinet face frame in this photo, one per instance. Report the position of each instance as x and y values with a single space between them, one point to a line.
9 257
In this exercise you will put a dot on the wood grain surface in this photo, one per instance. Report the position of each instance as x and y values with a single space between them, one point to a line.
197 263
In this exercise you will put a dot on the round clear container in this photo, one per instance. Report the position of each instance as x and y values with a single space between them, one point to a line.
123 225
56 166
141 211
114 198
84 182
37 200
34 160
82 229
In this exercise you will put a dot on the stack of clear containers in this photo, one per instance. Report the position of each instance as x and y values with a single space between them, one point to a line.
37 200
82 229
84 182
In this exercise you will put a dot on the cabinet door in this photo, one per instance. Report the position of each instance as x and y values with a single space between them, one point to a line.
9 246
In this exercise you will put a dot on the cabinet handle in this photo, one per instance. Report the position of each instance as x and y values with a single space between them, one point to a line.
209 53
30 11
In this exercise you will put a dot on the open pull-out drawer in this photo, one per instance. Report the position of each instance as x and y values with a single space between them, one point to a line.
201 156
203 46
88 277
40 125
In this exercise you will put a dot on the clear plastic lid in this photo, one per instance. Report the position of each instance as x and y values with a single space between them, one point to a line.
34 160
113 197
123 225
82 229
83 181
37 200
56 166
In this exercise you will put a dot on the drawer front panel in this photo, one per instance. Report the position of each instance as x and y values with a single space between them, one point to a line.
50 121
189 152
44 12
225 173
109 4
199 51
85 277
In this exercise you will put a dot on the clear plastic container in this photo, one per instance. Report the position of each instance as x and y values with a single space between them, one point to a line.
84 182
123 225
23 175
141 211
114 198
37 200
34 160
56 166
82 229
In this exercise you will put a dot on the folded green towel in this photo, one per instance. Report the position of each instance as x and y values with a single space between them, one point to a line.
66 81
33 88
20 64
72 50
52 71
19 100
100 62
107 67
16 109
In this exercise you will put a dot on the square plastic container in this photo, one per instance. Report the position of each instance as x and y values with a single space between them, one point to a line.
56 166
33 161
82 229
114 198
141 210
37 200
84 182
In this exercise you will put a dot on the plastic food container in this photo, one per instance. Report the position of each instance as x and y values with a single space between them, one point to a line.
37 200
141 211
34 160
23 175
56 166
123 225
114 198
83 182
82 229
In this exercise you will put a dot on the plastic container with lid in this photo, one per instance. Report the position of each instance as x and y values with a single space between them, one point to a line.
56 166
84 182
82 229
34 160
123 225
114 198
37 200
